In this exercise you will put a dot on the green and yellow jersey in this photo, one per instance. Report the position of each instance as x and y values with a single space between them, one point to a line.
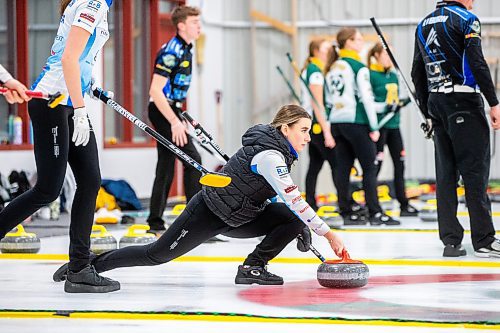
380 78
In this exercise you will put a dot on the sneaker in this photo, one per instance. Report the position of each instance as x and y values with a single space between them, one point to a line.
408 211
381 218
358 209
61 273
490 251
353 218
88 281
454 251
256 274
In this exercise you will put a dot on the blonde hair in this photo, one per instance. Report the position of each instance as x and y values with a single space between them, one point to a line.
289 115
63 5
181 13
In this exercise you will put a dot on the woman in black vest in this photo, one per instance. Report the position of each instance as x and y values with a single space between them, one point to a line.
246 208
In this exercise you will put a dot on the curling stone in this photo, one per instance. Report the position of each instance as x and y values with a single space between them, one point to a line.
330 216
20 242
101 240
174 213
461 194
137 235
384 197
343 273
428 213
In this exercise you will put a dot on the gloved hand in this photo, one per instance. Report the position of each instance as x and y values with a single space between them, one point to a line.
81 132
304 240
404 102
93 87
427 128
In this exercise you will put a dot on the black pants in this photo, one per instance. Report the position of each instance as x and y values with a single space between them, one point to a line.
392 138
318 154
462 146
165 169
353 141
53 129
197 224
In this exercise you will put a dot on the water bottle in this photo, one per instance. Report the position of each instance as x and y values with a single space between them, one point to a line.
10 128
18 131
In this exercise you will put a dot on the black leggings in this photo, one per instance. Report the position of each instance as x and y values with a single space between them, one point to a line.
53 148
196 225
318 154
165 169
353 141
392 138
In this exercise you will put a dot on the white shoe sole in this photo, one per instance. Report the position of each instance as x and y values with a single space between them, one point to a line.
487 255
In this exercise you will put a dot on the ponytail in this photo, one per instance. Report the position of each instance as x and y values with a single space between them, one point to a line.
314 46
376 49
333 56
343 36
63 5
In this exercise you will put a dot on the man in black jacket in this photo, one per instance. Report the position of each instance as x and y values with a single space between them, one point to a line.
449 73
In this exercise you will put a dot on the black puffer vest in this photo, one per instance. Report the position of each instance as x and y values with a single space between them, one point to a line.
245 198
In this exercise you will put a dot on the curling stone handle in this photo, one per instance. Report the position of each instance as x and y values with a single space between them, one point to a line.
133 230
345 255
100 230
178 209
323 210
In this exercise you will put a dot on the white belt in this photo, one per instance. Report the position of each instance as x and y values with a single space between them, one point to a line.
171 102
456 88
175 103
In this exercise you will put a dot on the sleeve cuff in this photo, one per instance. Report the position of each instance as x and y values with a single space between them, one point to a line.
321 231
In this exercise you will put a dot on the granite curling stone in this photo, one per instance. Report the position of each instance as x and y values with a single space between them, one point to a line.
20 242
428 213
101 240
331 217
343 273
137 235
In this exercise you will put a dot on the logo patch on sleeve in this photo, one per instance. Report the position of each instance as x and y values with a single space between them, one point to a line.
291 189
282 170
476 26
169 60
296 199
87 17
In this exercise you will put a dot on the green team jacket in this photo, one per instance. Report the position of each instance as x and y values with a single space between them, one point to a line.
350 92
379 77
312 74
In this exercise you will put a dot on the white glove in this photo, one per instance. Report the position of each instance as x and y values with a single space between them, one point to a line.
81 132
93 86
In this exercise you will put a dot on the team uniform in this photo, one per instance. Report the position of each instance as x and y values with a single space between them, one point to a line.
4 75
318 153
53 148
354 116
260 172
174 61
390 135
449 72
91 16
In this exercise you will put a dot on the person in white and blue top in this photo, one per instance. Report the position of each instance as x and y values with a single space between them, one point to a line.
64 135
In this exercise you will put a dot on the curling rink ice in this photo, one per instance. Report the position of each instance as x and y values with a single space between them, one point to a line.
412 288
